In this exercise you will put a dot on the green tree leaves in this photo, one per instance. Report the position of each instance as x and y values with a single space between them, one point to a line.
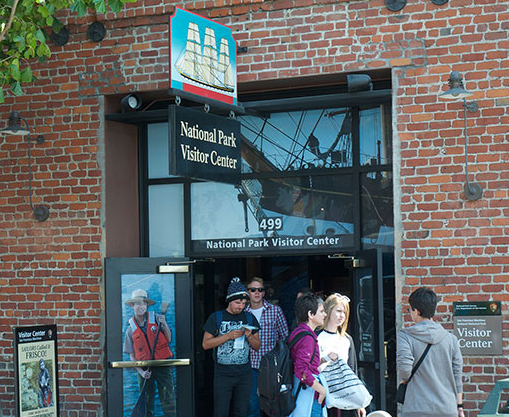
24 31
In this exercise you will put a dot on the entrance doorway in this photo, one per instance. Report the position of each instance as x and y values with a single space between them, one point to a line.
166 292
367 279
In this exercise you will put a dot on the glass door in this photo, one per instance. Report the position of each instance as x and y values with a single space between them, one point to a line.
149 338
369 324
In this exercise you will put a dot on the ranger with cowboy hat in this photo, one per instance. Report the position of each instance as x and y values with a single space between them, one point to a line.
143 342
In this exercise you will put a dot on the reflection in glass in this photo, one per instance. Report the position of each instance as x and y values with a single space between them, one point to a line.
376 209
160 289
311 205
303 207
290 144
293 141
215 211
166 220
364 312
368 377
375 136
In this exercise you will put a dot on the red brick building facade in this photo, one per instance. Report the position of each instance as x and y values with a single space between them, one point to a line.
52 271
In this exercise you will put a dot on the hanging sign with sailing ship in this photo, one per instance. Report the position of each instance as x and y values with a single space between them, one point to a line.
203 60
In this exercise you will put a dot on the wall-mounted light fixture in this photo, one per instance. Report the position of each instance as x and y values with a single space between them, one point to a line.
60 38
359 82
396 5
96 32
15 127
131 102
456 91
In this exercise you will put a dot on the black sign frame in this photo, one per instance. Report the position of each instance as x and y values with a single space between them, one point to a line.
204 146
478 327
31 344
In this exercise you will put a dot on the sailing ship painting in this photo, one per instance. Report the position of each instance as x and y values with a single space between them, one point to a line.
199 63
204 65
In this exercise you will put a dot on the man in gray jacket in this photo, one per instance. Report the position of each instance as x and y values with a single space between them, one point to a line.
436 389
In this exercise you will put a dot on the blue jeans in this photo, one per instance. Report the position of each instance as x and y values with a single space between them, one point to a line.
254 403
316 411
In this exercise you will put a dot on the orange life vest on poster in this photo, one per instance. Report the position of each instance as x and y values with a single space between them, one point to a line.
143 343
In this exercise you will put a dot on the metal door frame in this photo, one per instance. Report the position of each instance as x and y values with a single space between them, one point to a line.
369 259
114 269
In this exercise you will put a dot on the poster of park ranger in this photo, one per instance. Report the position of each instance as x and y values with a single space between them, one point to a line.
35 356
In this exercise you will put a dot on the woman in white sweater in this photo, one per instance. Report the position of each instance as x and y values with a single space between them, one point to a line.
335 342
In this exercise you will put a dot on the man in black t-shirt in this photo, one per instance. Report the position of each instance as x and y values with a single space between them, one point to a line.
231 332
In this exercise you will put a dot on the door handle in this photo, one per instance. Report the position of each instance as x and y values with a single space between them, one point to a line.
154 362
386 344
172 269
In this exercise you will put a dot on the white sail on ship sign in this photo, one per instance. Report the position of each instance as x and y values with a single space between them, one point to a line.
203 57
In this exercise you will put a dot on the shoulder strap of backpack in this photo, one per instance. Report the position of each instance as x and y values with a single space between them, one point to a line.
219 319
297 337
291 343
249 317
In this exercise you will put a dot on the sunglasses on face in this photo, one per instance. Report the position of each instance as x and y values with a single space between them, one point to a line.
256 289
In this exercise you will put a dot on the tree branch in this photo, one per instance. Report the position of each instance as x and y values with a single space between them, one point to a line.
9 22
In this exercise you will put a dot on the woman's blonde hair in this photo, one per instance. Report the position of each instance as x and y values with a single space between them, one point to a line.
331 302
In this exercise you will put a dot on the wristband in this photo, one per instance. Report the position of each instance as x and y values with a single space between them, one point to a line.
460 405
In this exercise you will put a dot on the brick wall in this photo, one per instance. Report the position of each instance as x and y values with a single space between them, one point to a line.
52 271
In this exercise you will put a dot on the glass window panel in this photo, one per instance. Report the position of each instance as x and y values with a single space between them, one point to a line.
291 141
166 220
369 377
315 211
376 209
158 151
216 212
375 136
159 288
